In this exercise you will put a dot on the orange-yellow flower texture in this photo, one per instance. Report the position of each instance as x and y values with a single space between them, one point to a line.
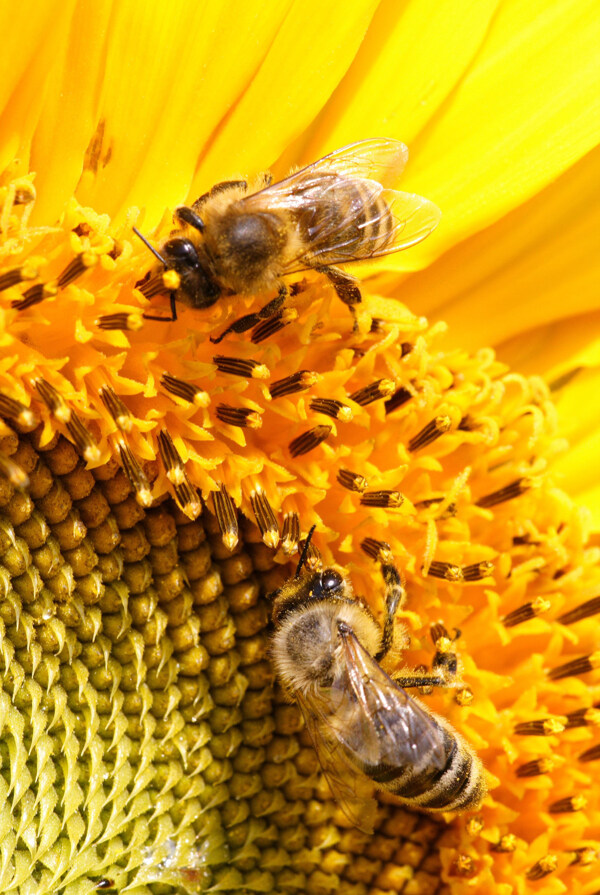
155 487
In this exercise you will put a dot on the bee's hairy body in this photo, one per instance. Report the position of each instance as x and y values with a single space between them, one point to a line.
240 240
324 651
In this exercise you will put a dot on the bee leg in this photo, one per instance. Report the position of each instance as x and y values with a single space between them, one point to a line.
242 324
444 668
345 287
165 319
394 597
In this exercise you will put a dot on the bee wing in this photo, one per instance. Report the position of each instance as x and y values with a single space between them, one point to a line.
348 786
404 730
331 195
407 218
379 160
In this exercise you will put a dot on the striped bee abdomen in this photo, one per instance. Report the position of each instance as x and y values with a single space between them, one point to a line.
344 219
456 786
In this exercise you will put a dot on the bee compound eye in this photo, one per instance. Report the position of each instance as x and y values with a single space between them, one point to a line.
331 580
180 252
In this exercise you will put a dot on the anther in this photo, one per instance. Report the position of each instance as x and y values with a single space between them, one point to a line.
126 322
119 412
170 457
272 325
527 611
53 400
430 432
265 518
237 366
584 610
18 275
506 844
509 492
159 283
82 262
446 570
380 551
17 477
35 294
591 754
478 570
544 867
578 666
309 440
584 856
335 409
463 865
544 727
186 390
381 388
83 439
390 500
464 696
568 805
186 495
400 397
353 481
226 517
297 382
14 410
475 825
589 717
243 417
536 767
440 637
187 499
290 535
136 476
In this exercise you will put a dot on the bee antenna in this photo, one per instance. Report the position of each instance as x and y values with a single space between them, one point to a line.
148 246
304 551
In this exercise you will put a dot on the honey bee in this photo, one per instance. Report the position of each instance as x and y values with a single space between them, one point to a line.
365 727
236 240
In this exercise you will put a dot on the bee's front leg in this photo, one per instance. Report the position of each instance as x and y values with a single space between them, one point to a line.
242 324
395 594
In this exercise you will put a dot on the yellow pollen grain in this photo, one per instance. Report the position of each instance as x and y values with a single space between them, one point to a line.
261 372
135 321
553 725
171 280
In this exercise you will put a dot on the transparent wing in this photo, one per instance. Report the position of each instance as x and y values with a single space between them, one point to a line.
351 789
342 209
405 731
379 160
413 218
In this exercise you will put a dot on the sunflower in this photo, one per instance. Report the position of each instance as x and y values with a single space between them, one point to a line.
156 487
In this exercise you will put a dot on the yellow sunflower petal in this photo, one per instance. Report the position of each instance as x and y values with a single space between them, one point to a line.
309 55
521 107
538 264
171 76
36 41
